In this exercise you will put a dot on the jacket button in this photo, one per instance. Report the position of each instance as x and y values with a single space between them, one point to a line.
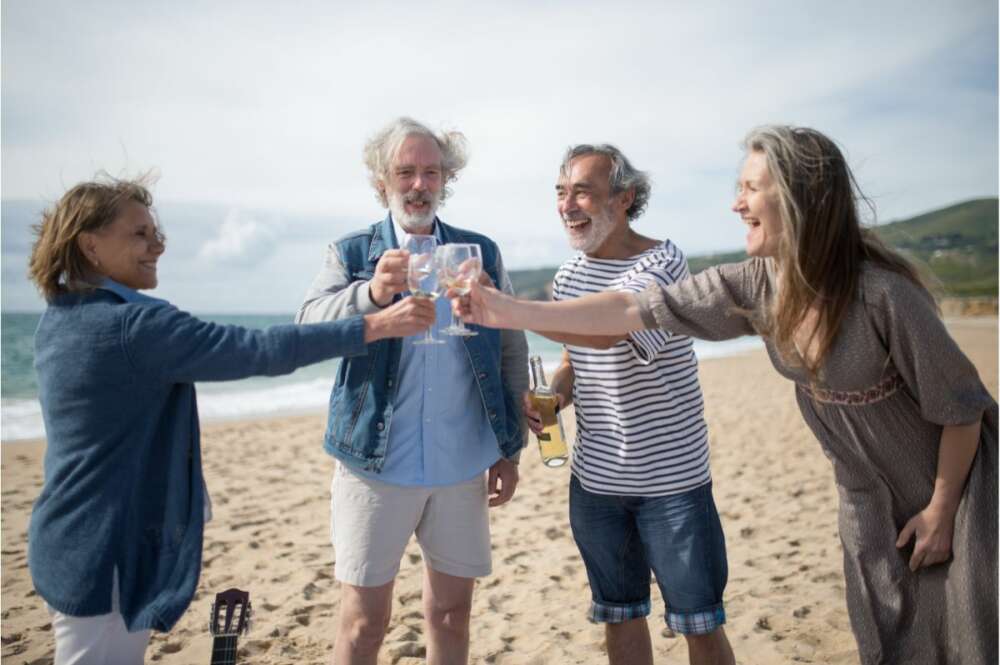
389 383
380 426
493 415
482 376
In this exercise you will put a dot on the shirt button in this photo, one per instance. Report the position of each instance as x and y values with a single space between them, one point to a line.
493 415
389 383
380 426
482 376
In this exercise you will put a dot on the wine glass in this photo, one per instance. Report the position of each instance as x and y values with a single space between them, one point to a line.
460 265
422 274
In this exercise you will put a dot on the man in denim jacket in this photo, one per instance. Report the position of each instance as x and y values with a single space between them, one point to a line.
414 427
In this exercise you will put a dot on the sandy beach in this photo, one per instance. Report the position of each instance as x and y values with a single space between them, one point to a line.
269 482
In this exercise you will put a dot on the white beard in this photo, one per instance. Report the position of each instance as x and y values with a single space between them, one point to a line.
601 227
412 223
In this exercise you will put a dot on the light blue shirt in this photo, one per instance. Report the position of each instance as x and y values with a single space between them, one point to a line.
439 433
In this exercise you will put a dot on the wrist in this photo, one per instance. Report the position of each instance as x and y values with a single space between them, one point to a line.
374 330
374 298
944 501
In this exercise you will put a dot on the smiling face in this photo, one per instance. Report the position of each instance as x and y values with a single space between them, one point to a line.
413 183
127 249
589 212
757 204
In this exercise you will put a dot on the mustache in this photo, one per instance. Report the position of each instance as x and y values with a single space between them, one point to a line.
418 197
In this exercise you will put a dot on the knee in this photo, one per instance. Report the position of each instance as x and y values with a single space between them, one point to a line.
364 634
714 642
450 617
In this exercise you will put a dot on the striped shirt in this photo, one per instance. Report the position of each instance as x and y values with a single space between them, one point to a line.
639 410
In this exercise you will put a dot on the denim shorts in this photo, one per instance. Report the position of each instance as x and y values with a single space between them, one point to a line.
678 537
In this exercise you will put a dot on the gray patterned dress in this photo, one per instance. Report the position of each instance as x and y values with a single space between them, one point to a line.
892 378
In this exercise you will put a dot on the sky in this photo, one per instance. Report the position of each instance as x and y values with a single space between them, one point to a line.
254 116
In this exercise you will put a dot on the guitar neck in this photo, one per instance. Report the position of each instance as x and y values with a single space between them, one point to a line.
224 650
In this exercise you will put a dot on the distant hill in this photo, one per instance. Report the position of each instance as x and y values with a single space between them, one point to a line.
958 244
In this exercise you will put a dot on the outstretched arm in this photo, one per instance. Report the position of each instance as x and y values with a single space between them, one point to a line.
609 313
715 304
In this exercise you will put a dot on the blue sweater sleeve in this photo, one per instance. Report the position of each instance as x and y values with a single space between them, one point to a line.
164 342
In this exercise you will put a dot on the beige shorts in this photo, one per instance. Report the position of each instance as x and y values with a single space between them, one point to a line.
371 523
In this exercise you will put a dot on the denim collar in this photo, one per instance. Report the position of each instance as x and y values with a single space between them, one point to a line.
384 237
127 294
437 230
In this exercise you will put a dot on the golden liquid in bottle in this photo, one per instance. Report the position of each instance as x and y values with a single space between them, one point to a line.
551 441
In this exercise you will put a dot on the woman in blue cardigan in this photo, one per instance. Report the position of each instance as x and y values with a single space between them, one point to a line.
116 535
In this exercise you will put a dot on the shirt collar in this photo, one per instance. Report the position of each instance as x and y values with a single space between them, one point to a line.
401 233
127 294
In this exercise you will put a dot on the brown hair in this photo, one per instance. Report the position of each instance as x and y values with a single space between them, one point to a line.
57 264
822 245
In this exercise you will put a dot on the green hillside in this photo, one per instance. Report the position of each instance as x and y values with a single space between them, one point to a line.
957 243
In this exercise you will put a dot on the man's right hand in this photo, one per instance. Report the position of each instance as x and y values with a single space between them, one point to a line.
407 317
390 276
532 415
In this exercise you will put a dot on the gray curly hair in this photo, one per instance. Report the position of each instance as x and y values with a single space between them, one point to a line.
623 175
382 148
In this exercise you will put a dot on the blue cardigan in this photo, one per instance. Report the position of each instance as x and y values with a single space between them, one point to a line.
123 482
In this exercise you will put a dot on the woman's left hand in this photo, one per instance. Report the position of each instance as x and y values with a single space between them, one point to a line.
933 527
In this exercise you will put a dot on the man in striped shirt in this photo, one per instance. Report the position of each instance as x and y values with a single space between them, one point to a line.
641 491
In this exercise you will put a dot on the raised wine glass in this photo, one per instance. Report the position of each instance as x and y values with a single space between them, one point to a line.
422 274
460 265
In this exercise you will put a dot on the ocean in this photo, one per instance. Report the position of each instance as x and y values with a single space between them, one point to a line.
305 391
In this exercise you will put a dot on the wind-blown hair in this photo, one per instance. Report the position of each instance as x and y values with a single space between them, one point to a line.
822 246
622 178
57 263
382 148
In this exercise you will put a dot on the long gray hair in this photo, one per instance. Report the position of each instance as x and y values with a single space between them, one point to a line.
823 245
382 148
623 175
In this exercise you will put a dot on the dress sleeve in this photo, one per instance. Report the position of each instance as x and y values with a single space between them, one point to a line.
715 304
943 380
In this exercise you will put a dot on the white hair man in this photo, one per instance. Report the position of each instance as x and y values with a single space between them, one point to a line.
426 437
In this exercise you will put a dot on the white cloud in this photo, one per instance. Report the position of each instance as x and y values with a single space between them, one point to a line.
242 239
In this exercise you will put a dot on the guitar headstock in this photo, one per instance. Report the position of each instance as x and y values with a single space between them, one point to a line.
231 613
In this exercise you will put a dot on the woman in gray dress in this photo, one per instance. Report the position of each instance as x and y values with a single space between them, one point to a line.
897 407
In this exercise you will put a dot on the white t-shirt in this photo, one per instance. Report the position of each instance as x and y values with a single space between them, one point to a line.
640 415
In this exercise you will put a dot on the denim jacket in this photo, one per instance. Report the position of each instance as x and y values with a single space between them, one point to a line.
123 481
361 403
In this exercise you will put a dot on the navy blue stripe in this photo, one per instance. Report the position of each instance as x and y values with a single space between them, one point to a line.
639 405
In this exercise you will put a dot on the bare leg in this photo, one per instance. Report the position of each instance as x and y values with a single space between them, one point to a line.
710 649
628 643
364 618
447 606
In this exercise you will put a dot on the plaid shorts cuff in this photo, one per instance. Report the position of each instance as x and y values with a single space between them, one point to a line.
700 622
600 613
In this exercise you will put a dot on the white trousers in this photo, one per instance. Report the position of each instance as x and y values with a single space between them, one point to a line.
98 640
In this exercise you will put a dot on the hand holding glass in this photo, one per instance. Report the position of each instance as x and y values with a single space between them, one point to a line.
422 274
460 266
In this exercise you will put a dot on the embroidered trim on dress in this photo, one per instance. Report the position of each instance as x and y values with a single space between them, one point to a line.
884 388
